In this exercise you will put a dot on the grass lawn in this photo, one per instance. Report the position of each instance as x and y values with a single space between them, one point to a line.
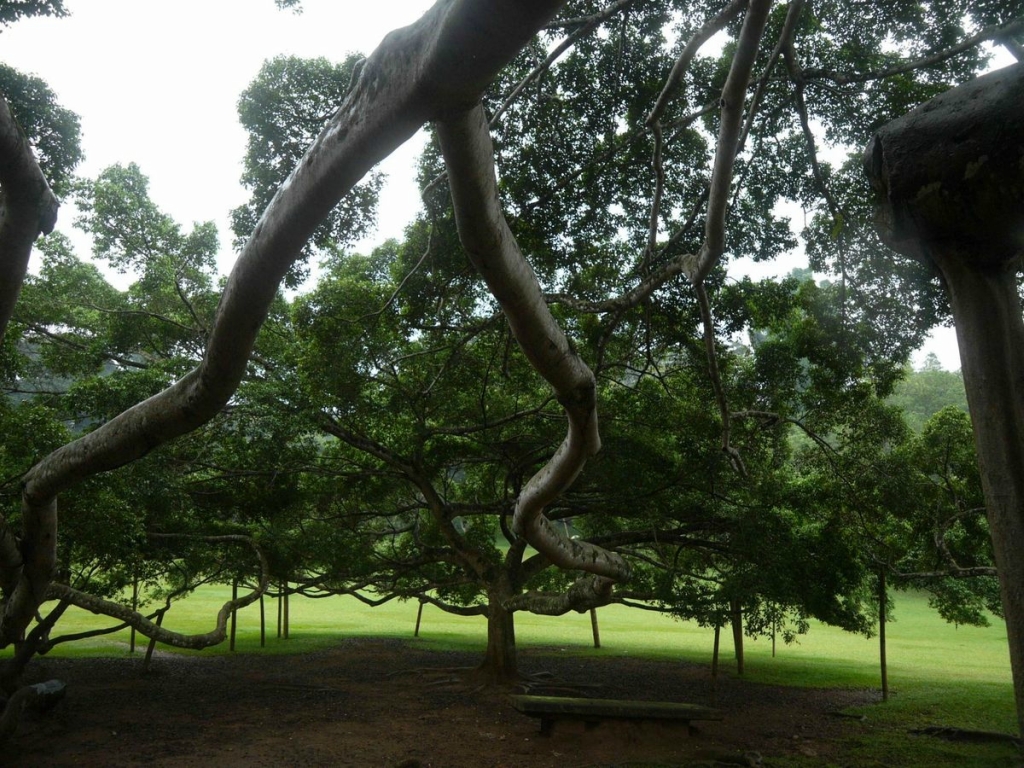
939 674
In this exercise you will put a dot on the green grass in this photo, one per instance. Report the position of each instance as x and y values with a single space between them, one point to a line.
939 674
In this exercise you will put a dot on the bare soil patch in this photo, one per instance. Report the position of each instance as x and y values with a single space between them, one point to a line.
388 703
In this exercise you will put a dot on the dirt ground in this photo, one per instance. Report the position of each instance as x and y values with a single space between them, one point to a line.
385 703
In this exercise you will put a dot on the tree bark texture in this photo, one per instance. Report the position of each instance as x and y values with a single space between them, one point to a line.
28 208
500 663
736 619
492 248
439 65
950 178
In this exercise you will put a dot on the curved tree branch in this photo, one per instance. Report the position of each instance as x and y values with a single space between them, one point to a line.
28 208
491 246
587 592
733 95
439 64
154 631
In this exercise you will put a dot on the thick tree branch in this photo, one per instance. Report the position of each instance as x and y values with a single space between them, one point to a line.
440 64
156 632
28 208
469 157
587 592
733 95
785 42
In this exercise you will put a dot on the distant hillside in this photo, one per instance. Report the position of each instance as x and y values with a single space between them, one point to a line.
927 391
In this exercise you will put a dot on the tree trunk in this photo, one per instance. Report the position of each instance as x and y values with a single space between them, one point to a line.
11 668
152 643
737 633
714 664
949 177
990 334
28 208
500 665
594 627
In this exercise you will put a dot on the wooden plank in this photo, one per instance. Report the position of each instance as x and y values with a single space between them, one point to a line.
560 707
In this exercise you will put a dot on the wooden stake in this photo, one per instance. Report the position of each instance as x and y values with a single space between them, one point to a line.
234 614
263 623
286 609
135 607
280 608
881 635
593 626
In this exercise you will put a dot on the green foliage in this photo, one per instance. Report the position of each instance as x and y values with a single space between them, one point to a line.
12 10
388 420
52 130
922 394
284 109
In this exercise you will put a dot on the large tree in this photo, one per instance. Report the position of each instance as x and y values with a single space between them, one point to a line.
635 169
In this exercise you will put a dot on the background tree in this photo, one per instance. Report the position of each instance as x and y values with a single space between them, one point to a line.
923 393
284 108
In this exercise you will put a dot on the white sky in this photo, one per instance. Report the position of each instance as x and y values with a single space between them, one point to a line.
156 83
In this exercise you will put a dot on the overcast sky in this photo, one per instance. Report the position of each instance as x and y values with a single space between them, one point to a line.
156 83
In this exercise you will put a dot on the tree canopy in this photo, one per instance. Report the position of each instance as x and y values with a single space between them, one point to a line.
600 165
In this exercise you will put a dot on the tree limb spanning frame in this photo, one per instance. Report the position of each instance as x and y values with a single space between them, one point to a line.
492 248
441 63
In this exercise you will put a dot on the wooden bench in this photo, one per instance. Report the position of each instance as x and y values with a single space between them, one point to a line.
593 711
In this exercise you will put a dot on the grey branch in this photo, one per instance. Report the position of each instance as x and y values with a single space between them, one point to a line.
733 95
154 631
28 208
441 63
491 246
